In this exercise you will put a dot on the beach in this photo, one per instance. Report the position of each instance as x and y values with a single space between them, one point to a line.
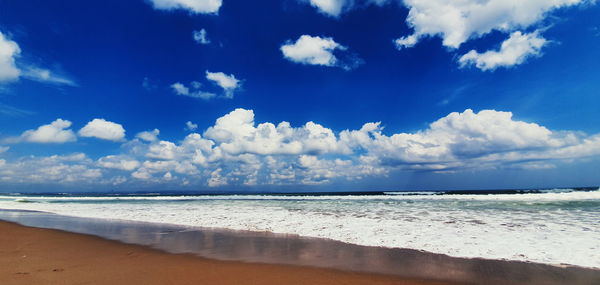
45 248
556 226
42 256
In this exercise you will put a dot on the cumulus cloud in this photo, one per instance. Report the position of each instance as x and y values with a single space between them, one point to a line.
103 129
55 132
190 126
227 83
236 133
148 136
162 150
194 6
311 50
9 50
335 8
181 89
461 140
118 162
458 21
318 51
237 150
201 37
329 7
515 50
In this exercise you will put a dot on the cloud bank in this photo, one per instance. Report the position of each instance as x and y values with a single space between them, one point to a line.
237 150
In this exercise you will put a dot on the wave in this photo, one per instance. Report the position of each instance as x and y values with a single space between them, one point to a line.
21 200
558 194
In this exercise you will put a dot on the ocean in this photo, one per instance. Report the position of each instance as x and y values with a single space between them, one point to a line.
552 226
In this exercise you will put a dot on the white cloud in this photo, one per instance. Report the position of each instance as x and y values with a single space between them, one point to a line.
148 136
9 50
190 126
216 179
103 129
514 50
141 174
194 6
228 82
118 162
335 8
311 50
4 149
47 76
162 150
183 90
458 21
329 7
180 89
223 80
55 132
318 51
201 37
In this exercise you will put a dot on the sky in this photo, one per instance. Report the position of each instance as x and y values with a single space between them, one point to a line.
298 95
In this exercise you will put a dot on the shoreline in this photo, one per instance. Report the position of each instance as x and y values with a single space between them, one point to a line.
505 231
256 232
292 250
46 256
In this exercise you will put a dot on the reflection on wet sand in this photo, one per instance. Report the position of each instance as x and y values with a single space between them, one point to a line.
289 249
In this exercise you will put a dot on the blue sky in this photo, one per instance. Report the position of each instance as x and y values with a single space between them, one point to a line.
374 94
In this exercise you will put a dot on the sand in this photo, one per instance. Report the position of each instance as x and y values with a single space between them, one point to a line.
43 256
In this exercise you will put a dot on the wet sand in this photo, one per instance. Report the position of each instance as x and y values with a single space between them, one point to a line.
43 256
171 250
